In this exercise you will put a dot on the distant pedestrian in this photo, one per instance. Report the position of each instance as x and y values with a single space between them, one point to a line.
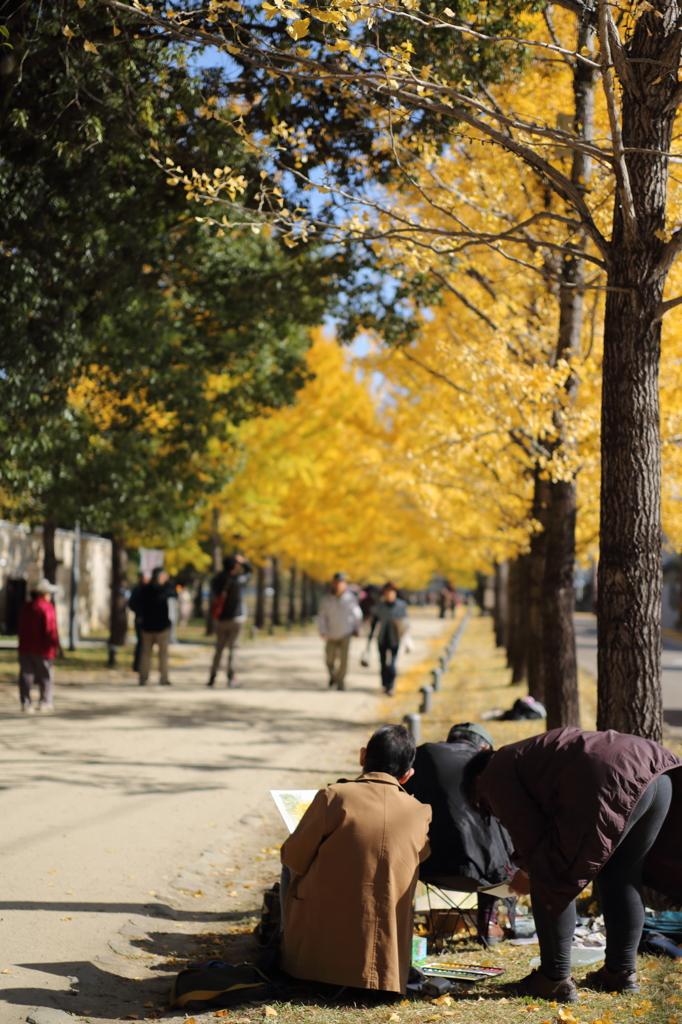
229 612
185 602
38 646
134 604
155 624
390 615
338 620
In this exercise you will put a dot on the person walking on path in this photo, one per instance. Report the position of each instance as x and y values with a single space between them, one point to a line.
338 620
155 624
38 646
391 616
134 604
229 611
583 807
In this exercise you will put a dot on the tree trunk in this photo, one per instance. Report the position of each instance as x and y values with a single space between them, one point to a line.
630 570
561 672
558 595
500 620
517 597
275 616
118 621
536 574
291 611
314 597
305 613
198 610
259 617
49 555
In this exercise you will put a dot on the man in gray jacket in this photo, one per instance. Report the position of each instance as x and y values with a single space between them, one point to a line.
339 619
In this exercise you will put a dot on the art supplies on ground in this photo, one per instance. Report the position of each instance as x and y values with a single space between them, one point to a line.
292 804
460 972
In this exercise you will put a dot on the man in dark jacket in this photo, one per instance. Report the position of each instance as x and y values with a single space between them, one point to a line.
152 608
466 852
226 589
580 807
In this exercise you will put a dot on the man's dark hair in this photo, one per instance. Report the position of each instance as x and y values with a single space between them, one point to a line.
391 750
472 769
156 573
229 563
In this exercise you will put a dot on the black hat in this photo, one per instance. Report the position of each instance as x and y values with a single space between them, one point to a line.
339 577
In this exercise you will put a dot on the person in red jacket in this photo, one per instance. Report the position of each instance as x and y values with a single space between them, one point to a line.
38 645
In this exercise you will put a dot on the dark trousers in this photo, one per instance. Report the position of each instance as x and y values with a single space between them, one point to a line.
387 657
619 888
138 645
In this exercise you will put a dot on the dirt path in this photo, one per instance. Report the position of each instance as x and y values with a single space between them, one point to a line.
133 818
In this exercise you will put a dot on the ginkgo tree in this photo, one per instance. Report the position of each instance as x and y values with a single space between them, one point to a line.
417 71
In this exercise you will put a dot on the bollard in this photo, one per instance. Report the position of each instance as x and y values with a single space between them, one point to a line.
414 725
443 662
427 699
436 674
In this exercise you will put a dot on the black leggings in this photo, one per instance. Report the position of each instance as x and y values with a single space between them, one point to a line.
619 888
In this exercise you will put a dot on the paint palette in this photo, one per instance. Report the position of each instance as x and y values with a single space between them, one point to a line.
460 972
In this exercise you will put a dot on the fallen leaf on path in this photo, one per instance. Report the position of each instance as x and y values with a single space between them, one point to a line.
68 892
233 893
66 919
405 1002
394 1016
435 1017
6 971
197 894
270 1011
213 825
150 892
53 872
148 1004
190 1020
442 1001
222 1013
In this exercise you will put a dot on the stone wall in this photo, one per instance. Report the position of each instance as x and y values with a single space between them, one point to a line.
21 564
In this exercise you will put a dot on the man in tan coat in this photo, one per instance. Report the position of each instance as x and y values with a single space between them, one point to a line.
354 860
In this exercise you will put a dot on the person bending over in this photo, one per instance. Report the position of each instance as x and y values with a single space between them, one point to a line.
354 862
582 807
466 852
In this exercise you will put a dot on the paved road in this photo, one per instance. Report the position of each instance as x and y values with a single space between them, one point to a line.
104 802
586 640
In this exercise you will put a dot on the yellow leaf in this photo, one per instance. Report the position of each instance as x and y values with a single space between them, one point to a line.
197 894
222 1013
231 48
147 1004
442 1001
6 971
449 13
394 1016
66 919
234 5
81 3
69 35
270 1011
116 31
299 29
90 47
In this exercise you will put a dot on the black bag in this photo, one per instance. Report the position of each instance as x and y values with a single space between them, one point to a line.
213 988
268 928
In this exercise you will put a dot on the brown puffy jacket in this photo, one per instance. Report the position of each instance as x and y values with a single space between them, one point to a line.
565 798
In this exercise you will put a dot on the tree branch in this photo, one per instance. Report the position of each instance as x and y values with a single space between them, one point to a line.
463 299
620 165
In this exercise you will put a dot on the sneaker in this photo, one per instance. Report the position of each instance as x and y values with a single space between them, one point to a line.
538 986
332 682
211 681
605 980
28 709
340 686
167 683
45 707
